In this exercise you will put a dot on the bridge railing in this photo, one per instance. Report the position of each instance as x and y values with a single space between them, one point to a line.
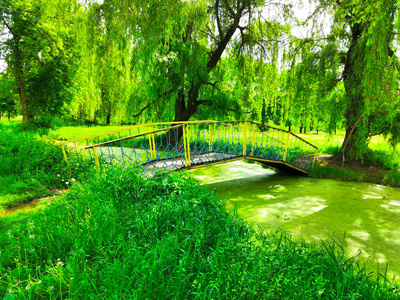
174 146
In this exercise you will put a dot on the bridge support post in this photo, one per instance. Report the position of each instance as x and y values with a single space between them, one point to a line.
286 146
245 139
96 159
188 144
210 129
253 143
66 159
315 156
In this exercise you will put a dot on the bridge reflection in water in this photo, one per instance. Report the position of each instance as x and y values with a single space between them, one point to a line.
185 145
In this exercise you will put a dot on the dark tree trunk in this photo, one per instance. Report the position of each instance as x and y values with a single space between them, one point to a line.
354 93
108 120
183 112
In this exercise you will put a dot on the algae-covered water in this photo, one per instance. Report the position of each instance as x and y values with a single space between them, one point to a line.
368 214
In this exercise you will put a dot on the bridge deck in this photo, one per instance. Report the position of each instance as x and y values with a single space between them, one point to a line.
178 163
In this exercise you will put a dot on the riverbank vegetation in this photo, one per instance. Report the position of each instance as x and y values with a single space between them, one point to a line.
31 166
122 235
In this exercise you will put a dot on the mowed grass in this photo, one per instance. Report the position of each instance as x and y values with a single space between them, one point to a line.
123 236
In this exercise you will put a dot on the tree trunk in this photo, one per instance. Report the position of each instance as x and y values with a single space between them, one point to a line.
108 120
26 116
183 112
354 94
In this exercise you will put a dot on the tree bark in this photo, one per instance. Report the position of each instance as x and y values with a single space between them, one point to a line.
26 116
354 94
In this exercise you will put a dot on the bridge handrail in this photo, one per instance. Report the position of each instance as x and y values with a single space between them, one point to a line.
179 123
59 143
132 136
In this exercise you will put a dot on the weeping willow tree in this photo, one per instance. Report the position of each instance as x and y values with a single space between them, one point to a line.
352 70
190 57
105 67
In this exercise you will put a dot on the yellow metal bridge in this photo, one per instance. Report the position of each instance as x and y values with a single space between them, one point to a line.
185 145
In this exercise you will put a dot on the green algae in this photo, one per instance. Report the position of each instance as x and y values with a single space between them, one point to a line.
360 216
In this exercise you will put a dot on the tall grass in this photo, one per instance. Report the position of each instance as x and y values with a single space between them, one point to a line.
29 165
122 236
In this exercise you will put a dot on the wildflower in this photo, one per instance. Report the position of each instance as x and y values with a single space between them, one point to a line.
48 203
31 236
73 179
28 286
66 182
59 264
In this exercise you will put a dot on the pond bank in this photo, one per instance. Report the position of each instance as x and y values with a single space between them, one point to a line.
328 168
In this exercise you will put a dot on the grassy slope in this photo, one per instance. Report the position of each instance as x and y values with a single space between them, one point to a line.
122 237
29 167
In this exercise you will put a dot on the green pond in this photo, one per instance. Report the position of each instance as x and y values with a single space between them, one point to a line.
368 215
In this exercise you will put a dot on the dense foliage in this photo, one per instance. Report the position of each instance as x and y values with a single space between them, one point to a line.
122 235
320 66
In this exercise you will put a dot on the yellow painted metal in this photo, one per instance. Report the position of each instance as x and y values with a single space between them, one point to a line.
96 159
150 147
184 145
286 146
153 144
253 142
210 134
245 138
315 157
188 144
66 159
154 147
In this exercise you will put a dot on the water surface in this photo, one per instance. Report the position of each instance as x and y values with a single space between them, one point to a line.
368 214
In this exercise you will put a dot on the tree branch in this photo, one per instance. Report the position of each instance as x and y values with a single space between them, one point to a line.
218 20
142 110
213 85
9 28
